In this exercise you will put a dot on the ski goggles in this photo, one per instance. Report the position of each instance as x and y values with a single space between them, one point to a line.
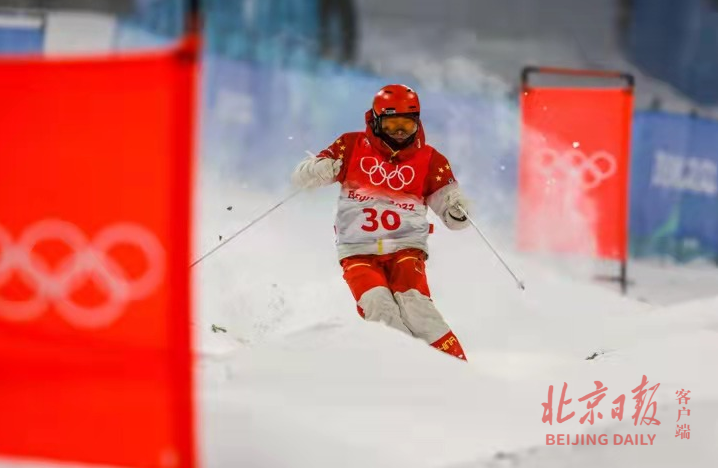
393 124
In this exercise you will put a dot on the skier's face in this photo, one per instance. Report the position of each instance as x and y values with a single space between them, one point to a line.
398 127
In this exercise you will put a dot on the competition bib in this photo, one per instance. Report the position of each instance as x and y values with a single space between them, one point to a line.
380 200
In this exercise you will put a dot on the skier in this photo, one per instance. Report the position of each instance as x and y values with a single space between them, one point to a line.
388 176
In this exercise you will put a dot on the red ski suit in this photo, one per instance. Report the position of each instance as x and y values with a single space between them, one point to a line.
382 230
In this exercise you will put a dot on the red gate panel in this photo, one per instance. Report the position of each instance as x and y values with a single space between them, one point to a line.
573 170
95 158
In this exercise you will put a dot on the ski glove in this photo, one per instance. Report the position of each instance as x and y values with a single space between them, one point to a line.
445 202
456 202
315 172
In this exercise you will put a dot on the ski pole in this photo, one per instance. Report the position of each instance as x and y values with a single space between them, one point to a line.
519 283
252 223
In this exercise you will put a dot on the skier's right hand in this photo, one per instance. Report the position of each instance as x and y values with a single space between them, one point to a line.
315 172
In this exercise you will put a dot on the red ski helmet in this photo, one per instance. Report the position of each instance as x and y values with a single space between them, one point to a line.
392 101
396 99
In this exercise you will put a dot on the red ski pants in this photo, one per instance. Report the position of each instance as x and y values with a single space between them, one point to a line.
393 289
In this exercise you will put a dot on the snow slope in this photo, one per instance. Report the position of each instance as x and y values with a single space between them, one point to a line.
299 380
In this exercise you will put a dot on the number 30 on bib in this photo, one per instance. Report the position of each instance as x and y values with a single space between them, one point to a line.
389 220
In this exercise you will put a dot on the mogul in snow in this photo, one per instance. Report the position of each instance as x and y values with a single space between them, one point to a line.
388 176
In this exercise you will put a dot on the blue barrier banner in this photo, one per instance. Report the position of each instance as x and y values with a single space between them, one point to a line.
259 120
21 34
674 187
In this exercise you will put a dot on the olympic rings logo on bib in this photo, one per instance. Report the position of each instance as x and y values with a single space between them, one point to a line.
397 179
88 259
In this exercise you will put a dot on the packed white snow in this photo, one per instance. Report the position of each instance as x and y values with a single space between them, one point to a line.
299 380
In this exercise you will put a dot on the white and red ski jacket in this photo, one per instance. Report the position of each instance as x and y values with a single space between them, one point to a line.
384 194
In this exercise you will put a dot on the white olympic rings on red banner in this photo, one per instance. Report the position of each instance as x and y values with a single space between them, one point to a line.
586 172
397 179
88 259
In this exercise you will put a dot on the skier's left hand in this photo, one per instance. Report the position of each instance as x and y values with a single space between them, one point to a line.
457 204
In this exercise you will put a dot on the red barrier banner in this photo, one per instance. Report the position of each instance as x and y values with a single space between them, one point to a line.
95 177
573 170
